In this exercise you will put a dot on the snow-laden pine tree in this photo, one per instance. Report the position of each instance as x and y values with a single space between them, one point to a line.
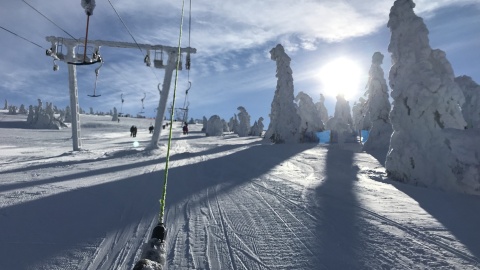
214 126
471 107
284 120
243 129
205 124
22 109
6 105
254 129
115 114
341 124
429 146
68 115
310 122
225 126
358 114
233 124
257 128
322 110
378 108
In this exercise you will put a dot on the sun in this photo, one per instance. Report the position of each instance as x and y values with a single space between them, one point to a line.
340 76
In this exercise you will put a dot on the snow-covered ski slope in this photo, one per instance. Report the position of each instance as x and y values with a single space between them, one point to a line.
232 203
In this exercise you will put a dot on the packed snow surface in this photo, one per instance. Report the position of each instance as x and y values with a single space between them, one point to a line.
232 203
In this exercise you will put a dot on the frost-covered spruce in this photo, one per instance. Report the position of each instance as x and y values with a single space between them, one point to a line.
341 124
205 123
284 120
358 114
257 128
68 115
471 107
243 129
426 115
233 124
322 110
310 122
214 126
378 108
6 105
22 109
225 126
115 114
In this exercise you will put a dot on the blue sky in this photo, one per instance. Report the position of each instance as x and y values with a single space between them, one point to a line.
232 66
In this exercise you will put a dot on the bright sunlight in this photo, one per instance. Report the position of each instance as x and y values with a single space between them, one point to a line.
340 77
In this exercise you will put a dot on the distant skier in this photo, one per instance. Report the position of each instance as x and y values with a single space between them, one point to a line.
134 131
151 129
132 128
185 129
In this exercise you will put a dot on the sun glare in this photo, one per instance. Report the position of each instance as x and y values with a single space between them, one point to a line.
340 77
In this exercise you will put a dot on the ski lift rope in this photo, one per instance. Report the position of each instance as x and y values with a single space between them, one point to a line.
165 181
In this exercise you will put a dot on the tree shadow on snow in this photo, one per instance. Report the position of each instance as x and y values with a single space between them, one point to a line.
338 228
458 213
77 220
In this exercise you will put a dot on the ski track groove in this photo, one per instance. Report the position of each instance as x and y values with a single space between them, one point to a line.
413 232
286 224
225 234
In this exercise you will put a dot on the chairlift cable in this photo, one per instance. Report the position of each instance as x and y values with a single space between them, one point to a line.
49 19
21 37
131 35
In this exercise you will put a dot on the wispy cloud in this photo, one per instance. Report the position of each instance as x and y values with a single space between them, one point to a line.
233 39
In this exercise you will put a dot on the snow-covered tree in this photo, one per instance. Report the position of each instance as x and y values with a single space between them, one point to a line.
257 128
6 105
91 111
68 115
341 124
243 129
233 124
225 126
22 109
310 122
214 126
43 118
205 124
471 107
322 110
12 109
358 114
429 146
115 114
378 108
284 120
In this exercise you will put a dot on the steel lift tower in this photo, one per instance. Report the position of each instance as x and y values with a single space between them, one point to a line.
70 57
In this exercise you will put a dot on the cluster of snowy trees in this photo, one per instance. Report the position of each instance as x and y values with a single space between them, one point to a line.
239 124
435 129
431 131
292 119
